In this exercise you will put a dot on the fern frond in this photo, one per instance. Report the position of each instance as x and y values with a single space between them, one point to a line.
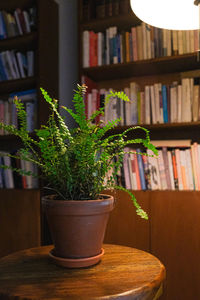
139 211
54 105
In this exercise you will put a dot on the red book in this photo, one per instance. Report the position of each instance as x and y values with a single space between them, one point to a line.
93 59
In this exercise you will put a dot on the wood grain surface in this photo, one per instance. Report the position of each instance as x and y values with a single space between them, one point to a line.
123 273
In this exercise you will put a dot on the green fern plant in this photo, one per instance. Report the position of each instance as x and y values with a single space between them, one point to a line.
76 162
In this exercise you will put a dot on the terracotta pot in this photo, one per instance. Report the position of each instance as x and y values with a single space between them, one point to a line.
77 229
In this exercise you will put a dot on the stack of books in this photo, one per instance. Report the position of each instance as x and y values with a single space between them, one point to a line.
139 43
177 167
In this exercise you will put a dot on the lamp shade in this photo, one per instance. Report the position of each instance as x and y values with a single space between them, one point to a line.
169 14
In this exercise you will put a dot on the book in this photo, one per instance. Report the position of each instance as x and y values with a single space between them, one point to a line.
167 168
134 88
179 173
154 171
162 172
8 174
147 105
126 169
190 176
141 169
137 172
26 21
86 48
30 63
169 155
175 171
165 106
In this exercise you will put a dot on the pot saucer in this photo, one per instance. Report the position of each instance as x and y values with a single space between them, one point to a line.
77 262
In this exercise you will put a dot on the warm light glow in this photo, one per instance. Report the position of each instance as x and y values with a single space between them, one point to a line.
169 14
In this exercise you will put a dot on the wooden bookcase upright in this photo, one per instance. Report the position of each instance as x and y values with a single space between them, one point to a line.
20 213
172 231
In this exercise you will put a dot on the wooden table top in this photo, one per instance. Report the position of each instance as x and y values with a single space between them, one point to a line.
123 273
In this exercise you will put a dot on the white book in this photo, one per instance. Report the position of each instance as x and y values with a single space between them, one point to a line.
189 169
169 155
186 96
86 49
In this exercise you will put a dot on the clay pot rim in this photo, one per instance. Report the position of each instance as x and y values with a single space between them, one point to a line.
104 197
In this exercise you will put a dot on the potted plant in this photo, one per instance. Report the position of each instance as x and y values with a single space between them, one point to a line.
75 164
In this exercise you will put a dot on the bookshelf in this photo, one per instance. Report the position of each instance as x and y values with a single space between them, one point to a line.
172 232
21 222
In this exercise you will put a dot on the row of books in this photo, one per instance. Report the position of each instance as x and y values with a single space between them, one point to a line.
104 8
17 23
10 179
15 65
8 112
175 168
140 43
156 104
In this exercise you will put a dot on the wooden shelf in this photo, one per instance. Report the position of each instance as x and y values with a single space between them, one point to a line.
168 64
123 21
10 86
20 42
164 131
12 5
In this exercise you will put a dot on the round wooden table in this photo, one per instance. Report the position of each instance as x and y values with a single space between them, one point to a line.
123 273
